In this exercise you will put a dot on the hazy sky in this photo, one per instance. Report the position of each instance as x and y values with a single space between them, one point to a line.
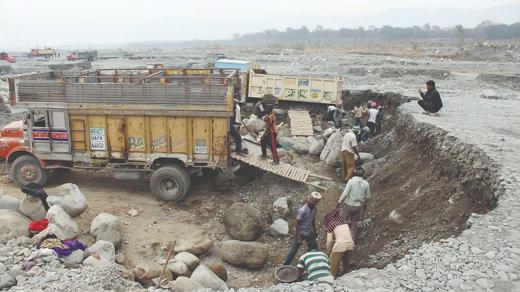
29 23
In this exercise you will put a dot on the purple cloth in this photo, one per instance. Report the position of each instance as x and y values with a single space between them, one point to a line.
73 245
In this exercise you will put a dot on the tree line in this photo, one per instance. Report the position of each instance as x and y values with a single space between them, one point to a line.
486 30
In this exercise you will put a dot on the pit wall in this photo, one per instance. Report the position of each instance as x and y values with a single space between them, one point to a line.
454 158
479 178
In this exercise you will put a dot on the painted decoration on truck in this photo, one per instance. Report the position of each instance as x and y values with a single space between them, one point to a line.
97 139
56 135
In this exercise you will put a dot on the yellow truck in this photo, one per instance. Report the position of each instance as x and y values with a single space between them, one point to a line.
294 88
169 123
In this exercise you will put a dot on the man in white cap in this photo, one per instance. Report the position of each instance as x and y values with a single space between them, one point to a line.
305 227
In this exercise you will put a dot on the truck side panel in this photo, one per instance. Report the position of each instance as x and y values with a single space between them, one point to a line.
197 141
303 89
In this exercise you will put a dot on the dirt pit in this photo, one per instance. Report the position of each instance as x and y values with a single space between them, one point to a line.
431 202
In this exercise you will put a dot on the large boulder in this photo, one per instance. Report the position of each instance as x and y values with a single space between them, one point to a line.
60 218
371 166
103 249
8 202
106 227
301 145
331 153
366 157
146 271
193 240
69 197
178 268
12 225
243 222
6 281
286 142
279 227
219 270
315 145
189 259
281 208
255 124
33 208
205 277
244 254
185 284
95 261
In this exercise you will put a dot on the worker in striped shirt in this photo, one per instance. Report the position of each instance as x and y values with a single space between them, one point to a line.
317 265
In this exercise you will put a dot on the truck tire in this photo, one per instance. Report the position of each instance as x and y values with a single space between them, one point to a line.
170 183
27 169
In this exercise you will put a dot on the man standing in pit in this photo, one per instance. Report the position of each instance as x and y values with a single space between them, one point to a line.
431 101
354 199
372 118
348 149
305 227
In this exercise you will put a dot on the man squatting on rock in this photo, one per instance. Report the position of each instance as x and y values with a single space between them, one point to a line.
305 227
431 100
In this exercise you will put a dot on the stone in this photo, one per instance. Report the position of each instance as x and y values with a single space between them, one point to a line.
132 212
189 259
146 271
184 284
285 142
179 268
243 222
395 217
489 94
280 111
194 240
281 208
421 274
454 283
6 281
106 227
60 218
8 202
219 270
13 225
371 166
95 261
366 157
316 146
33 208
76 257
255 124
205 277
331 153
120 258
485 283
244 254
301 145
317 129
69 197
279 227
104 249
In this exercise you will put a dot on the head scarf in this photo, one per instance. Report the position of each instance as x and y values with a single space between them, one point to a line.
333 219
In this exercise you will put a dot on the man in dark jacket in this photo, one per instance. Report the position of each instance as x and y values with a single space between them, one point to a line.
431 99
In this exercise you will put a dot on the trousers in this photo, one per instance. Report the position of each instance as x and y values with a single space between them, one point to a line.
296 246
237 137
429 107
347 165
337 258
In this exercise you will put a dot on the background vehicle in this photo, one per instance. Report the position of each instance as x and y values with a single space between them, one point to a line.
11 137
169 123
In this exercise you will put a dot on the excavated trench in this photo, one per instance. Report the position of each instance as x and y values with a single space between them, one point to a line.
426 188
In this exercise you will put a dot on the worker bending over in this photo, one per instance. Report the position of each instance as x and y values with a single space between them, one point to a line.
339 241
317 266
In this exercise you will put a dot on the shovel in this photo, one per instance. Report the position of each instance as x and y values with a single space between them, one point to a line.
364 223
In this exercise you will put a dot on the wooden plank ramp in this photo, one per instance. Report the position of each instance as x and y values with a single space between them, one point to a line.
283 169
301 123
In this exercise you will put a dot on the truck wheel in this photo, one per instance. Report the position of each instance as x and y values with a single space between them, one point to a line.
27 169
170 183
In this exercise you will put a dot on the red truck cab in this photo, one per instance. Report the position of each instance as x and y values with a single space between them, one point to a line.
11 136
